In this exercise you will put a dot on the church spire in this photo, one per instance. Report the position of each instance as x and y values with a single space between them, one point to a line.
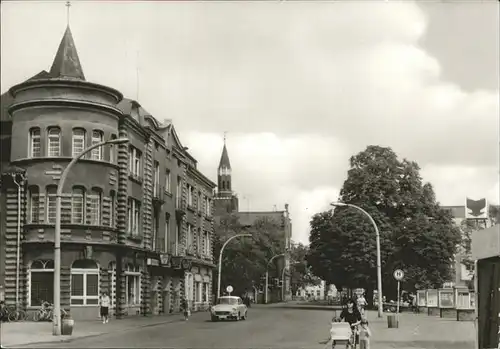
224 173
224 159
66 62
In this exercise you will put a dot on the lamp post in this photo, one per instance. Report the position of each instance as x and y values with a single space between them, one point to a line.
57 235
267 275
379 262
220 259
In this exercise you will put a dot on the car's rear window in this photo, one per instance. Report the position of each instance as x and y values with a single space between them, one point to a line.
231 301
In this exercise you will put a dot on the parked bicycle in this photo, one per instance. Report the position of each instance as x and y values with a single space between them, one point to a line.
45 313
10 313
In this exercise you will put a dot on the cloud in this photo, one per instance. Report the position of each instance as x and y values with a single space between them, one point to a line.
299 86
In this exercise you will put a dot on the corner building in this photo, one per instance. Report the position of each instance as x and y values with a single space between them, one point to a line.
136 217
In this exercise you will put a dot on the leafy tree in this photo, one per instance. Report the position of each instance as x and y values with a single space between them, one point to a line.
245 259
301 274
416 234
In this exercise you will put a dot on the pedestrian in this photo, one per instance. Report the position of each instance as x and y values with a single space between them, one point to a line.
104 303
364 334
185 309
361 302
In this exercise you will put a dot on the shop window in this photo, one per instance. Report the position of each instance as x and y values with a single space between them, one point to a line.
41 282
133 282
84 282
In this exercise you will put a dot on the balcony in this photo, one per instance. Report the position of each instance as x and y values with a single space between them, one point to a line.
158 194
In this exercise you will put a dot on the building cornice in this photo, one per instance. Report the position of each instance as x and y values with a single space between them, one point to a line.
134 125
67 103
197 175
84 85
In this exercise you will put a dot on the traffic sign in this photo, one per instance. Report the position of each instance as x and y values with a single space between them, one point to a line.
399 274
229 289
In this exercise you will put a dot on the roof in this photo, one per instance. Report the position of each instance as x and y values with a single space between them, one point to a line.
66 62
224 159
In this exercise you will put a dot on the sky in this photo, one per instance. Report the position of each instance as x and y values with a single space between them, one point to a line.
299 87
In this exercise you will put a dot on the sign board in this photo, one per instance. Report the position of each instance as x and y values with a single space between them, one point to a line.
165 259
399 274
152 262
229 289
476 209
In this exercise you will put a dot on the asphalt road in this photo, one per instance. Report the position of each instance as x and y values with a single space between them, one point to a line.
266 328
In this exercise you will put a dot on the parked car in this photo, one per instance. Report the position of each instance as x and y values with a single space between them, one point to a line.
229 307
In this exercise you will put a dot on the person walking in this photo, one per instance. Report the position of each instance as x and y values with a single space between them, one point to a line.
104 303
185 309
361 304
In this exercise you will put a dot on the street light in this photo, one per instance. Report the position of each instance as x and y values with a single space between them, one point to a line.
267 274
220 259
57 235
379 263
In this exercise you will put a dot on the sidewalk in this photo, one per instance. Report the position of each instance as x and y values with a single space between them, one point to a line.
18 334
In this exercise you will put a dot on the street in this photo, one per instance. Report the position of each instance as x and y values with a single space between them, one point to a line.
274 327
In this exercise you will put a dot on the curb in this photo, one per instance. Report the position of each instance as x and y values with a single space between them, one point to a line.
71 339
308 307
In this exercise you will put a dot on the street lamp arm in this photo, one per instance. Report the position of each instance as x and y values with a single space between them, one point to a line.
275 256
231 238
82 154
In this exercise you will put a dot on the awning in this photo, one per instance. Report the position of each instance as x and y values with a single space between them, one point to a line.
486 243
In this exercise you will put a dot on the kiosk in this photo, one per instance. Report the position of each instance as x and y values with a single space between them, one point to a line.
464 303
432 302
422 300
446 302
486 253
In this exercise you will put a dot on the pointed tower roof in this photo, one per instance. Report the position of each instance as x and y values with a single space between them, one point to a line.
224 159
66 63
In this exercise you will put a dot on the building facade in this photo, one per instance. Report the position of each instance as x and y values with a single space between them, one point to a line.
226 202
136 218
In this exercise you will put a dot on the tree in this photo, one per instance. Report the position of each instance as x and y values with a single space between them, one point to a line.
301 274
245 259
416 234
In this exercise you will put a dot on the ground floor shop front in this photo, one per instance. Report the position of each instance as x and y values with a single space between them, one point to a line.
87 271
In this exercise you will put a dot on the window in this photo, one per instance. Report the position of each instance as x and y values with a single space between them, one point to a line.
78 141
205 292
197 292
133 282
189 237
35 150
112 151
84 282
190 194
96 154
134 156
94 206
34 205
198 202
77 206
41 282
208 203
199 240
51 203
156 223
167 235
177 238
54 141
133 214
156 183
179 192
112 218
208 247
167 182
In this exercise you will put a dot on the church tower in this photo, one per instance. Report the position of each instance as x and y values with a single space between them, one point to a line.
225 201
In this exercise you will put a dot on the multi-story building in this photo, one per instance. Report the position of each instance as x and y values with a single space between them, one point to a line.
226 202
462 274
136 217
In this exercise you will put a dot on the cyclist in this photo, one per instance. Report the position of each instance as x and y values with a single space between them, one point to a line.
351 315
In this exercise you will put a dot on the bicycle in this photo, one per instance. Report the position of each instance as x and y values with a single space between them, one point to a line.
45 313
11 314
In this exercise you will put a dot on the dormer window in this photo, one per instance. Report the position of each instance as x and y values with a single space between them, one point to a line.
54 141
